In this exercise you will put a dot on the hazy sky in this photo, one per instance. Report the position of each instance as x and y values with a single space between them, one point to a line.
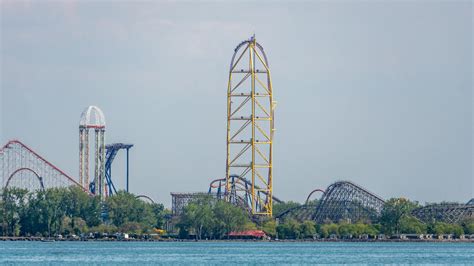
376 93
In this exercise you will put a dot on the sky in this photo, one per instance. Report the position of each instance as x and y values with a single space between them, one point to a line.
376 93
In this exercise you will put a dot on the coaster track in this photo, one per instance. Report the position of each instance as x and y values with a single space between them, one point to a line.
342 200
250 126
22 167
240 192
445 212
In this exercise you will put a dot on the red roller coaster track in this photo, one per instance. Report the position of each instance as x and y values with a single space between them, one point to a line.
16 155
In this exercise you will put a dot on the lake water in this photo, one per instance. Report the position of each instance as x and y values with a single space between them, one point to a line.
139 253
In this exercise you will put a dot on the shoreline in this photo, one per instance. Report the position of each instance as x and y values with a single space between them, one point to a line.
43 239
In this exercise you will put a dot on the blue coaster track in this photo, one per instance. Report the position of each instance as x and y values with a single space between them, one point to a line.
111 152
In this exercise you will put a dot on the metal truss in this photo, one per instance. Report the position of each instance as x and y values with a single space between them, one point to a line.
342 200
444 212
240 192
181 200
111 152
250 125
22 167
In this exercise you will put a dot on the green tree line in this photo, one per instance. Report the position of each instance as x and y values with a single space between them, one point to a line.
395 219
212 219
207 218
72 211
291 229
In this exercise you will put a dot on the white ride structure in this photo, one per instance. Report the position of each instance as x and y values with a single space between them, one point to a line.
92 118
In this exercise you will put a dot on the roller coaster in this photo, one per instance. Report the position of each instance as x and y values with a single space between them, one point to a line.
250 127
239 195
342 200
445 212
240 191
22 167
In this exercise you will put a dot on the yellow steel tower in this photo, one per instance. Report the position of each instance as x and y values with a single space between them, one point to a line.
250 127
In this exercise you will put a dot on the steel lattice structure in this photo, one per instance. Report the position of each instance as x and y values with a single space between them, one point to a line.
22 167
240 192
92 118
444 212
250 124
342 200
180 200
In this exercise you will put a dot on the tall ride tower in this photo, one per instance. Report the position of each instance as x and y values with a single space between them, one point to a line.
250 125
92 118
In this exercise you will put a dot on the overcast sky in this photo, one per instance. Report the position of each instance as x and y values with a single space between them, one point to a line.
376 93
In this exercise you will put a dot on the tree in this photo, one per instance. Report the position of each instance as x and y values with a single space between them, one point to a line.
14 202
469 228
345 230
45 212
308 229
54 208
33 221
456 230
269 227
290 229
411 225
212 218
392 213
197 217
328 229
91 213
132 228
363 228
103 228
279 208
228 218
124 207
440 228
70 210
76 200
159 213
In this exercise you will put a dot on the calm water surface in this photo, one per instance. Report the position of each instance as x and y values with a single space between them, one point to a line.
139 253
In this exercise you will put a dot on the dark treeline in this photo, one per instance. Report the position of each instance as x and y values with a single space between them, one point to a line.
71 211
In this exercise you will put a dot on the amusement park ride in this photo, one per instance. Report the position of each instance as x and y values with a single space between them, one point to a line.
92 118
250 127
22 167
249 159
